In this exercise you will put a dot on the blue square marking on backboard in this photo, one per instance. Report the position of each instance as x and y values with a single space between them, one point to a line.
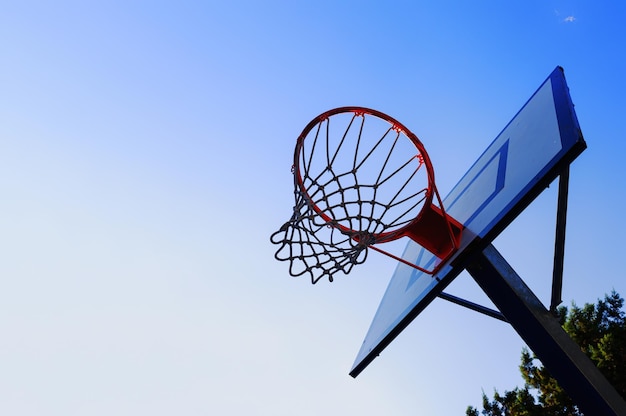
500 157
426 265
528 154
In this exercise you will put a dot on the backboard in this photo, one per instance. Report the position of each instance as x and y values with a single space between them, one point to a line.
531 151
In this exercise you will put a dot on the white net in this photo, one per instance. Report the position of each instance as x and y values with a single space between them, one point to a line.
359 180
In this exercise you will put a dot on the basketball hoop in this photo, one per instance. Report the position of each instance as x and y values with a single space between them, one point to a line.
361 179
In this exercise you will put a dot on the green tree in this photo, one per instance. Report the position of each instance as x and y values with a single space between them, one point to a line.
600 331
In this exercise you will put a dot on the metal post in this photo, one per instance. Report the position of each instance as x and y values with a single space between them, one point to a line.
473 306
559 240
541 331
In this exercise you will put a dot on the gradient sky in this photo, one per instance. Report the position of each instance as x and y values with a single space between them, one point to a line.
145 154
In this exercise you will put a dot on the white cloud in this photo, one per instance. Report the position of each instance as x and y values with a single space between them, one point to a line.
569 19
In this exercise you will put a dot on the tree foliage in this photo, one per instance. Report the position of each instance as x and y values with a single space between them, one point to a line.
600 331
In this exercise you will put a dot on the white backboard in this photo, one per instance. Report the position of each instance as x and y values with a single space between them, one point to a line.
538 143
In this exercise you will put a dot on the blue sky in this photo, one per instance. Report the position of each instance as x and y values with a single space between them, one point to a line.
145 154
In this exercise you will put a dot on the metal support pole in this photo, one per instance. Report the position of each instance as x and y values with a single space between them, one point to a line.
559 240
473 306
541 331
